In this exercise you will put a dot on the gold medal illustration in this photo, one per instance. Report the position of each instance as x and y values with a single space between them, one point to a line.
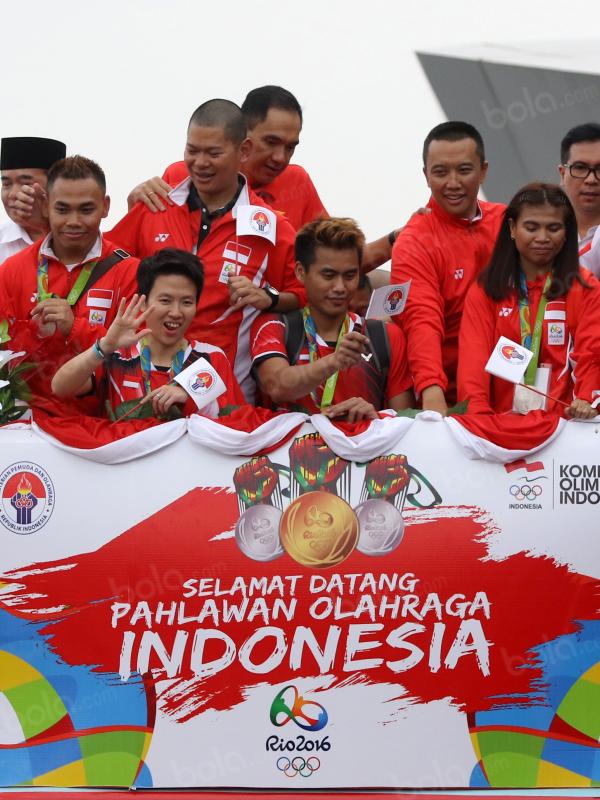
319 529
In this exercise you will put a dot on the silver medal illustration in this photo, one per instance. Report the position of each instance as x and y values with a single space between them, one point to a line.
381 527
257 533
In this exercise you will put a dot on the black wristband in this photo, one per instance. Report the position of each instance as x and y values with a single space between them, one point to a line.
273 296
392 235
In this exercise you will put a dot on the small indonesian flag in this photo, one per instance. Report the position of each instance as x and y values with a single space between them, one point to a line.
388 301
256 221
237 252
509 360
100 298
202 382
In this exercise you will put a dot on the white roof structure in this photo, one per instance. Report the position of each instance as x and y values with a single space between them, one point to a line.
522 97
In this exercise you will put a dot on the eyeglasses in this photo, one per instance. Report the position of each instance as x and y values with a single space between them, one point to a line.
581 171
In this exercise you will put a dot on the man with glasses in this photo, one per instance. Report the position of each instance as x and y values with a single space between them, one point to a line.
580 178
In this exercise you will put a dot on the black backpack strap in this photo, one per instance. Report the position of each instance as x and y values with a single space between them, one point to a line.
104 266
294 334
376 330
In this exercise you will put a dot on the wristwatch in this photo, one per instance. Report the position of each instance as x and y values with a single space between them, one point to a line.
273 296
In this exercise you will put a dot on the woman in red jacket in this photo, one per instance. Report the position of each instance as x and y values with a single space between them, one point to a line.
534 292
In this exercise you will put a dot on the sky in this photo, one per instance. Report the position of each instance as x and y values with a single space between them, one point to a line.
117 81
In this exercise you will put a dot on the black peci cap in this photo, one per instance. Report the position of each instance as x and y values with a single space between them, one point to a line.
18 152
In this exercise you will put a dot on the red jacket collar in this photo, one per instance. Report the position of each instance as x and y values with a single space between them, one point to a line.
449 219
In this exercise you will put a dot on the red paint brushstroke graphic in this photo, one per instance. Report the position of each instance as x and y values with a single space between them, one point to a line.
532 600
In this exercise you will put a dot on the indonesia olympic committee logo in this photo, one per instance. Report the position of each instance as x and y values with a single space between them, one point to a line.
260 222
202 382
526 491
26 497
512 354
392 299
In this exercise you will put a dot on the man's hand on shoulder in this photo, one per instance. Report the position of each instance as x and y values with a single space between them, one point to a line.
151 193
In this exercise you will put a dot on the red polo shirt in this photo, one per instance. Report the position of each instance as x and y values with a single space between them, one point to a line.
141 232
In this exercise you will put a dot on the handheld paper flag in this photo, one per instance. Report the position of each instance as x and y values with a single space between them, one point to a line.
388 301
202 382
509 360
256 221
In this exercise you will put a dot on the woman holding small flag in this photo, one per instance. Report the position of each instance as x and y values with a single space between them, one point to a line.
534 293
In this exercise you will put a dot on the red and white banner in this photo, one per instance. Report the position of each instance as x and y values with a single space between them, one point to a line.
302 619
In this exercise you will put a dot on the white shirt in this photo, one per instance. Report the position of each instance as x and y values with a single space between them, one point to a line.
95 252
13 239
591 259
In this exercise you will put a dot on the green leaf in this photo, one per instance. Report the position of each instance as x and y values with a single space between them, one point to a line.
4 337
459 409
109 411
411 413
227 410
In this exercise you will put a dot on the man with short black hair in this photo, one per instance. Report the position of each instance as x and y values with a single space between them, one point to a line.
146 347
324 358
71 282
24 165
580 178
246 249
442 253
274 119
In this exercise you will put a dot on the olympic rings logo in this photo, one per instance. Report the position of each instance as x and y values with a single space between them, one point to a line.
526 492
298 766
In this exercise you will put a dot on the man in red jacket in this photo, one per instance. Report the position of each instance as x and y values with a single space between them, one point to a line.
247 250
442 253
274 119
69 284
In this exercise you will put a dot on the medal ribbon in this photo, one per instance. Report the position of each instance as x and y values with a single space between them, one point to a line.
532 341
43 290
146 364
313 354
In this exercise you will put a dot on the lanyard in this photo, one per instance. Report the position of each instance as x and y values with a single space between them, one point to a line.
146 364
532 341
43 290
313 354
